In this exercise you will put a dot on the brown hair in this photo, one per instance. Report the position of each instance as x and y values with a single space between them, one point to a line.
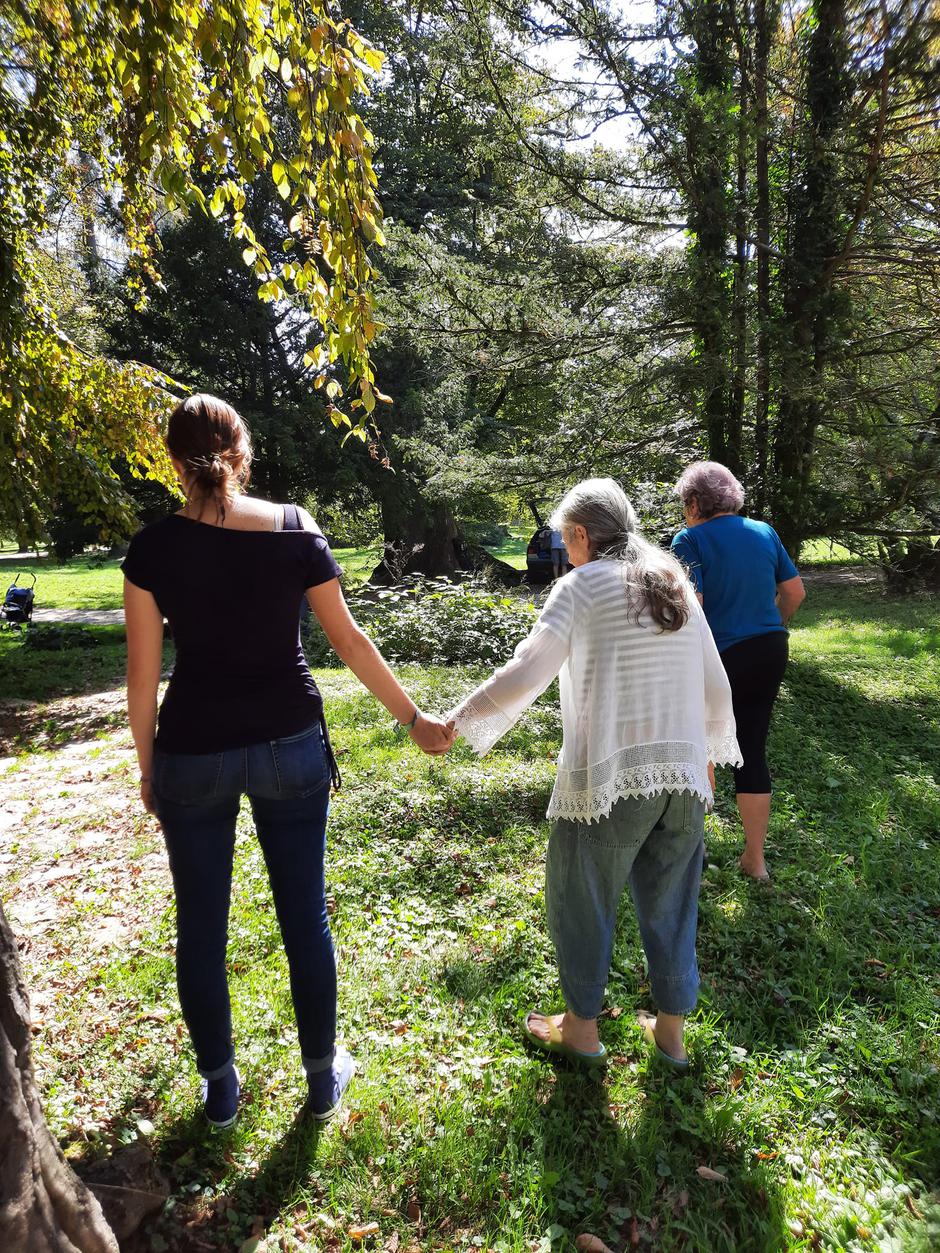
212 442
659 582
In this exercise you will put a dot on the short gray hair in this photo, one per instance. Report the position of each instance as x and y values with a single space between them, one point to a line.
714 487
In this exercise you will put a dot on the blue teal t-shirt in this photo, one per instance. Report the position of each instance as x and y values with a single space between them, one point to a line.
736 564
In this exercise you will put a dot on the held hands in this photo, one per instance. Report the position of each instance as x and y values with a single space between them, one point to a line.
433 735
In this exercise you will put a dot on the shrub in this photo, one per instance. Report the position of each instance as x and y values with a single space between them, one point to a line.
433 622
49 637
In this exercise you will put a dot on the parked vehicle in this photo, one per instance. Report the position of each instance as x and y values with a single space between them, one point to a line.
538 557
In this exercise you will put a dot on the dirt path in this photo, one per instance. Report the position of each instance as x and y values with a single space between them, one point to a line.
84 617
83 866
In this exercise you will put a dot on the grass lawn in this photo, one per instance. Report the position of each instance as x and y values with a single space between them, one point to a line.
815 1090
94 582
513 550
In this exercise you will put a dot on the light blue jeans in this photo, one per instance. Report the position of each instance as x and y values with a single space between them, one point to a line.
656 845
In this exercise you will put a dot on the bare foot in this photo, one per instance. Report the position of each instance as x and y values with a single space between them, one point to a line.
754 870
578 1033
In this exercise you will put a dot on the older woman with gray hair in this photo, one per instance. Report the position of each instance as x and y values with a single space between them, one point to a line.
645 705
749 589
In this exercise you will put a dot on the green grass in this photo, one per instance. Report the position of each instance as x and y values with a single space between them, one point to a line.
513 550
358 563
87 582
35 674
815 1088
92 582
824 552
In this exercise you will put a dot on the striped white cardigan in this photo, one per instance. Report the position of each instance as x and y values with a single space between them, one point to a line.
643 710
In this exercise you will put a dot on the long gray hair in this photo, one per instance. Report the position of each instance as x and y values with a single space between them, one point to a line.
602 508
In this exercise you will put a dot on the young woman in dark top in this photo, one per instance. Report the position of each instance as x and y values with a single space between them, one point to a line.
242 714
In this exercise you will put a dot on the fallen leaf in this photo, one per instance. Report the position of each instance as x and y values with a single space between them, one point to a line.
413 1212
737 1078
706 1172
392 1243
363 1232
586 1243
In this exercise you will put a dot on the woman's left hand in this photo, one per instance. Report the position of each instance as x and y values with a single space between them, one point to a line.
432 735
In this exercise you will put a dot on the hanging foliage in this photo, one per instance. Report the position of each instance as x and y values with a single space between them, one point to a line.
176 105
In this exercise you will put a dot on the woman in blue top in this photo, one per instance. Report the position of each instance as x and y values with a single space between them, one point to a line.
749 589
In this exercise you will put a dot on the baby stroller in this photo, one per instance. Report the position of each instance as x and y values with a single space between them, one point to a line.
18 605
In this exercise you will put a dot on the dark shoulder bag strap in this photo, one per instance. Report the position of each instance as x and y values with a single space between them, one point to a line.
294 522
292 519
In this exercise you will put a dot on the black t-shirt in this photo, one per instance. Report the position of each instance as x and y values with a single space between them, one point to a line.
232 599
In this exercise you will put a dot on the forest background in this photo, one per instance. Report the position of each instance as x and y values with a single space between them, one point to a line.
616 237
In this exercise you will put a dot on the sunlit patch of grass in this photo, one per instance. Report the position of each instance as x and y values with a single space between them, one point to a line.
815 1084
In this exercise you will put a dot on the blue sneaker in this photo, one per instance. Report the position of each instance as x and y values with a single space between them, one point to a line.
326 1088
220 1098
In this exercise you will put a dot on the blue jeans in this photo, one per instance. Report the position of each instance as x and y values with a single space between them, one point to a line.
654 843
197 798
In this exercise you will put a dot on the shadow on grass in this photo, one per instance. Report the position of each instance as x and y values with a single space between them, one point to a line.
628 1172
831 960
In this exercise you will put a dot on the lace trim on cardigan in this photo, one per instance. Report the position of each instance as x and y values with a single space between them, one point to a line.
481 722
643 770
637 781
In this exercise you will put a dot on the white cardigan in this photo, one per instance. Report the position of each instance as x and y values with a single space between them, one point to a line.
643 710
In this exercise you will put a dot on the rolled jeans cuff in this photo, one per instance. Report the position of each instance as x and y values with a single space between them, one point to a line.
316 1065
219 1070
676 995
585 1000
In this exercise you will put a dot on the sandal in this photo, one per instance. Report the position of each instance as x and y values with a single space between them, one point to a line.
555 1044
679 1065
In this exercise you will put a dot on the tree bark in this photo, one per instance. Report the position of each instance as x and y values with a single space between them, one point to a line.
44 1206
708 140
809 318
764 26
735 450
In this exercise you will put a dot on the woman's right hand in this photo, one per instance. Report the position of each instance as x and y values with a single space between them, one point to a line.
432 735
146 796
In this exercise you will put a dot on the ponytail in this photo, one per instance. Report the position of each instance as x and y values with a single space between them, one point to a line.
657 579
211 441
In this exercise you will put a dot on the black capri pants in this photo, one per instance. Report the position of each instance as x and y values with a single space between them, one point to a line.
755 669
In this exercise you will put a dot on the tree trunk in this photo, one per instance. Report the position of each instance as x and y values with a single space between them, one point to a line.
423 537
44 1206
735 451
764 26
708 139
809 320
